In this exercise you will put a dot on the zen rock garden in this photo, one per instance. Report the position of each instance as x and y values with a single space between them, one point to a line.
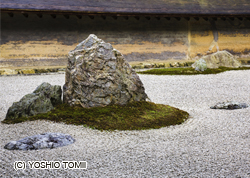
97 75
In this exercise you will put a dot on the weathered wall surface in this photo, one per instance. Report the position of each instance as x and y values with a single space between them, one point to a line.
210 36
46 41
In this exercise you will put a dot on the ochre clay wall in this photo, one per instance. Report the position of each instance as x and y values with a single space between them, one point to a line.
46 41
210 36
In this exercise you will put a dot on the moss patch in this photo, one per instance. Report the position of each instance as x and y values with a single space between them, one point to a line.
133 116
159 64
189 71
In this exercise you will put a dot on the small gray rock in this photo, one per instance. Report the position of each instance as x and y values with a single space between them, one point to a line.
230 105
44 98
201 65
45 140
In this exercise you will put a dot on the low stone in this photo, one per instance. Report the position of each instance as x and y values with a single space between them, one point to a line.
8 72
44 98
168 64
138 66
148 65
159 65
215 60
26 71
175 64
98 75
45 140
230 105
201 65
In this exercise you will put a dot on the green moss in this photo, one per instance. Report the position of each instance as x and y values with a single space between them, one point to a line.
133 116
189 71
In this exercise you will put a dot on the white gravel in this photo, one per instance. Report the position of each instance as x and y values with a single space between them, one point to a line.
212 143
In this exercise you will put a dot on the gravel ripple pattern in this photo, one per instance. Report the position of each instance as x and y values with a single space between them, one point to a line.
211 143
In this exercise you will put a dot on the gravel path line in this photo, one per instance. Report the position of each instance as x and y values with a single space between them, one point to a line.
211 143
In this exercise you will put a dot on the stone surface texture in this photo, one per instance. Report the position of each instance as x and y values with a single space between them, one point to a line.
229 105
201 65
45 140
98 75
218 59
43 99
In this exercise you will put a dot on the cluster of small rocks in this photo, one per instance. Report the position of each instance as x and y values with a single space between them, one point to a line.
45 140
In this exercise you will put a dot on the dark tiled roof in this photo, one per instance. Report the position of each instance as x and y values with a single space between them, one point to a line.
161 7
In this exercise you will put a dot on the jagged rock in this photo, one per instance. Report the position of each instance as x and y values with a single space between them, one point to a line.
45 140
54 92
98 75
215 60
229 105
44 98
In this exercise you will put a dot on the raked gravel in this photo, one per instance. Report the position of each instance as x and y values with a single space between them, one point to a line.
211 143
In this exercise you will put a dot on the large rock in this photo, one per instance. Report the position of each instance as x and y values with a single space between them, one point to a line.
44 98
46 140
98 75
215 60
